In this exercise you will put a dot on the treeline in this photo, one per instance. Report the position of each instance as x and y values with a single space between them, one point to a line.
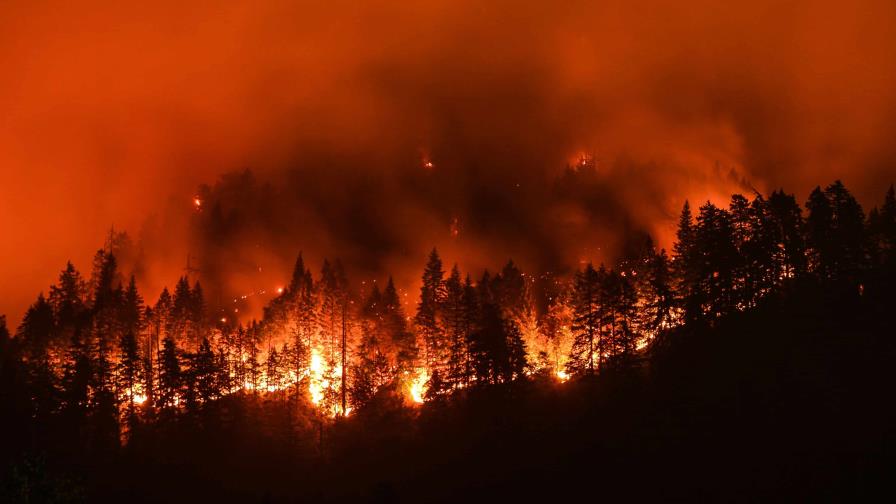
92 363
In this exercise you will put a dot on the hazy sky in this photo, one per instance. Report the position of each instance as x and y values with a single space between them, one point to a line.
110 113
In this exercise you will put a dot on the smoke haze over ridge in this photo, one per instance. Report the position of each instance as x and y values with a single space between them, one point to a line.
111 114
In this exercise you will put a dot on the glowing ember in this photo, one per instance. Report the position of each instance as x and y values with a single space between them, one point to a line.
197 203
562 375
279 290
455 227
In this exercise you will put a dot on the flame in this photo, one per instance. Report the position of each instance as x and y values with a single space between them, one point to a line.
418 386
562 375
316 381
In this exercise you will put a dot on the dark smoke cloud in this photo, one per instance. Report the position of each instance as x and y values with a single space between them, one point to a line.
112 113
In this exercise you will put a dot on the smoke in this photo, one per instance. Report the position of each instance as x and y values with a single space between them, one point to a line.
113 115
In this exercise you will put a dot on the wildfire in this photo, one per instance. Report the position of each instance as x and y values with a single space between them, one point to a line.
197 203
562 375
642 343
418 386
315 383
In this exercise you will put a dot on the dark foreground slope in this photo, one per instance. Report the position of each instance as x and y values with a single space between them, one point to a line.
792 400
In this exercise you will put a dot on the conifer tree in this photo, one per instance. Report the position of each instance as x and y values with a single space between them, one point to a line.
196 319
557 326
427 320
715 262
787 226
253 366
684 266
181 311
401 339
205 371
622 300
67 298
587 311
455 326
129 375
35 335
333 297
76 378
301 292
170 376
131 310
659 313
497 351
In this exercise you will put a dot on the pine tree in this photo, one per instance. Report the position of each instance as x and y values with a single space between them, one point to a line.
621 298
35 334
848 232
273 376
395 326
131 310
196 318
104 425
557 326
819 224
754 239
67 298
659 312
170 376
371 369
301 292
253 366
587 314
427 320
788 231
715 262
76 378
37 331
882 231
129 375
104 279
497 350
455 327
835 233
684 266
205 372
333 297
181 311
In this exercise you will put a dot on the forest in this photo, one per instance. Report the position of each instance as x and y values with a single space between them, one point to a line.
751 361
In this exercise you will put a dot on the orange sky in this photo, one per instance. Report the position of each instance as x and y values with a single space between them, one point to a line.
108 110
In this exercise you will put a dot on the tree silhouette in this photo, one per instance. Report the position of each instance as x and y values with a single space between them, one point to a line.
427 320
587 347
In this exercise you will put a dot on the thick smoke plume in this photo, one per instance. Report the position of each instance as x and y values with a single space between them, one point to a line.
114 115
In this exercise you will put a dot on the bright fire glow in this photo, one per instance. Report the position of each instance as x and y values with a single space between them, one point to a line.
316 381
418 386
562 375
